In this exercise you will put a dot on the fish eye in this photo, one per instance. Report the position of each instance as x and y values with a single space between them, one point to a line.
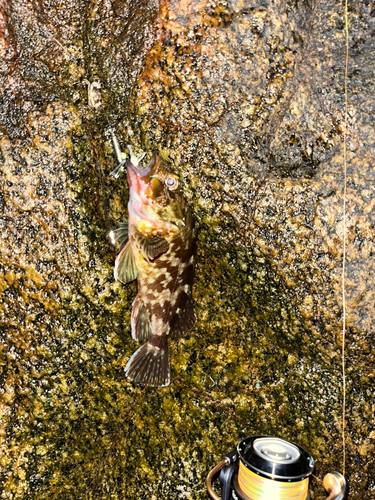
171 182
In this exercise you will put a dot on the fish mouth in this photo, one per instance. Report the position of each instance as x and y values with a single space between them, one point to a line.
140 205
132 163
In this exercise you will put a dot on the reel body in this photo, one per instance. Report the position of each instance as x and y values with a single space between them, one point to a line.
270 468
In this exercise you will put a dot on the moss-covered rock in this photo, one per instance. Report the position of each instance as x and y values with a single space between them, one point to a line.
246 101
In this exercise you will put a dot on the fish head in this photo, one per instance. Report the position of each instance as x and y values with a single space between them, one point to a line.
155 193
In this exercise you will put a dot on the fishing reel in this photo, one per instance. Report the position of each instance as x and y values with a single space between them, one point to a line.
270 468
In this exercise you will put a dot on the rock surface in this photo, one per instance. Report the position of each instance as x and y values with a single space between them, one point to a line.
246 101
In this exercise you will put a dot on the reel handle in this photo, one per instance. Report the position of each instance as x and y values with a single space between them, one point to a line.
336 485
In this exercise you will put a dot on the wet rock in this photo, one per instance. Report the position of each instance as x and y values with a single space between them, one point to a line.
246 101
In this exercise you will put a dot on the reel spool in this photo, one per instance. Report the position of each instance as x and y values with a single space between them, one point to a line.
270 468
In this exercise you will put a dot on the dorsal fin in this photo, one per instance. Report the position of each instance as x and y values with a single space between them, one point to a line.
183 320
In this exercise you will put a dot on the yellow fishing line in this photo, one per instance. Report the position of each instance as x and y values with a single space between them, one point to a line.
344 243
255 487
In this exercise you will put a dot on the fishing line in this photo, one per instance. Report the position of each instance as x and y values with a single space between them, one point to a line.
344 243
260 488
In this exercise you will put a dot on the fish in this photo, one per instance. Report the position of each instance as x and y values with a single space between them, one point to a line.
157 248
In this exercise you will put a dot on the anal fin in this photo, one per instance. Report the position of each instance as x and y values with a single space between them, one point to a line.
141 329
149 365
125 266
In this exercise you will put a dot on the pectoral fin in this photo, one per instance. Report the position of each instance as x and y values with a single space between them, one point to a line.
121 233
151 247
125 265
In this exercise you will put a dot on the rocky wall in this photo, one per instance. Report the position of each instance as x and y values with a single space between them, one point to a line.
246 101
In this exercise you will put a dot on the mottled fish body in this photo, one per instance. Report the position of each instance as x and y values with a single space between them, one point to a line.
159 253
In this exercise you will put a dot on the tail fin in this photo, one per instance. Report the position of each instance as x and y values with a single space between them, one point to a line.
150 364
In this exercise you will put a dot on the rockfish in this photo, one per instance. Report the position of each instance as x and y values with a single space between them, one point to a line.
159 252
